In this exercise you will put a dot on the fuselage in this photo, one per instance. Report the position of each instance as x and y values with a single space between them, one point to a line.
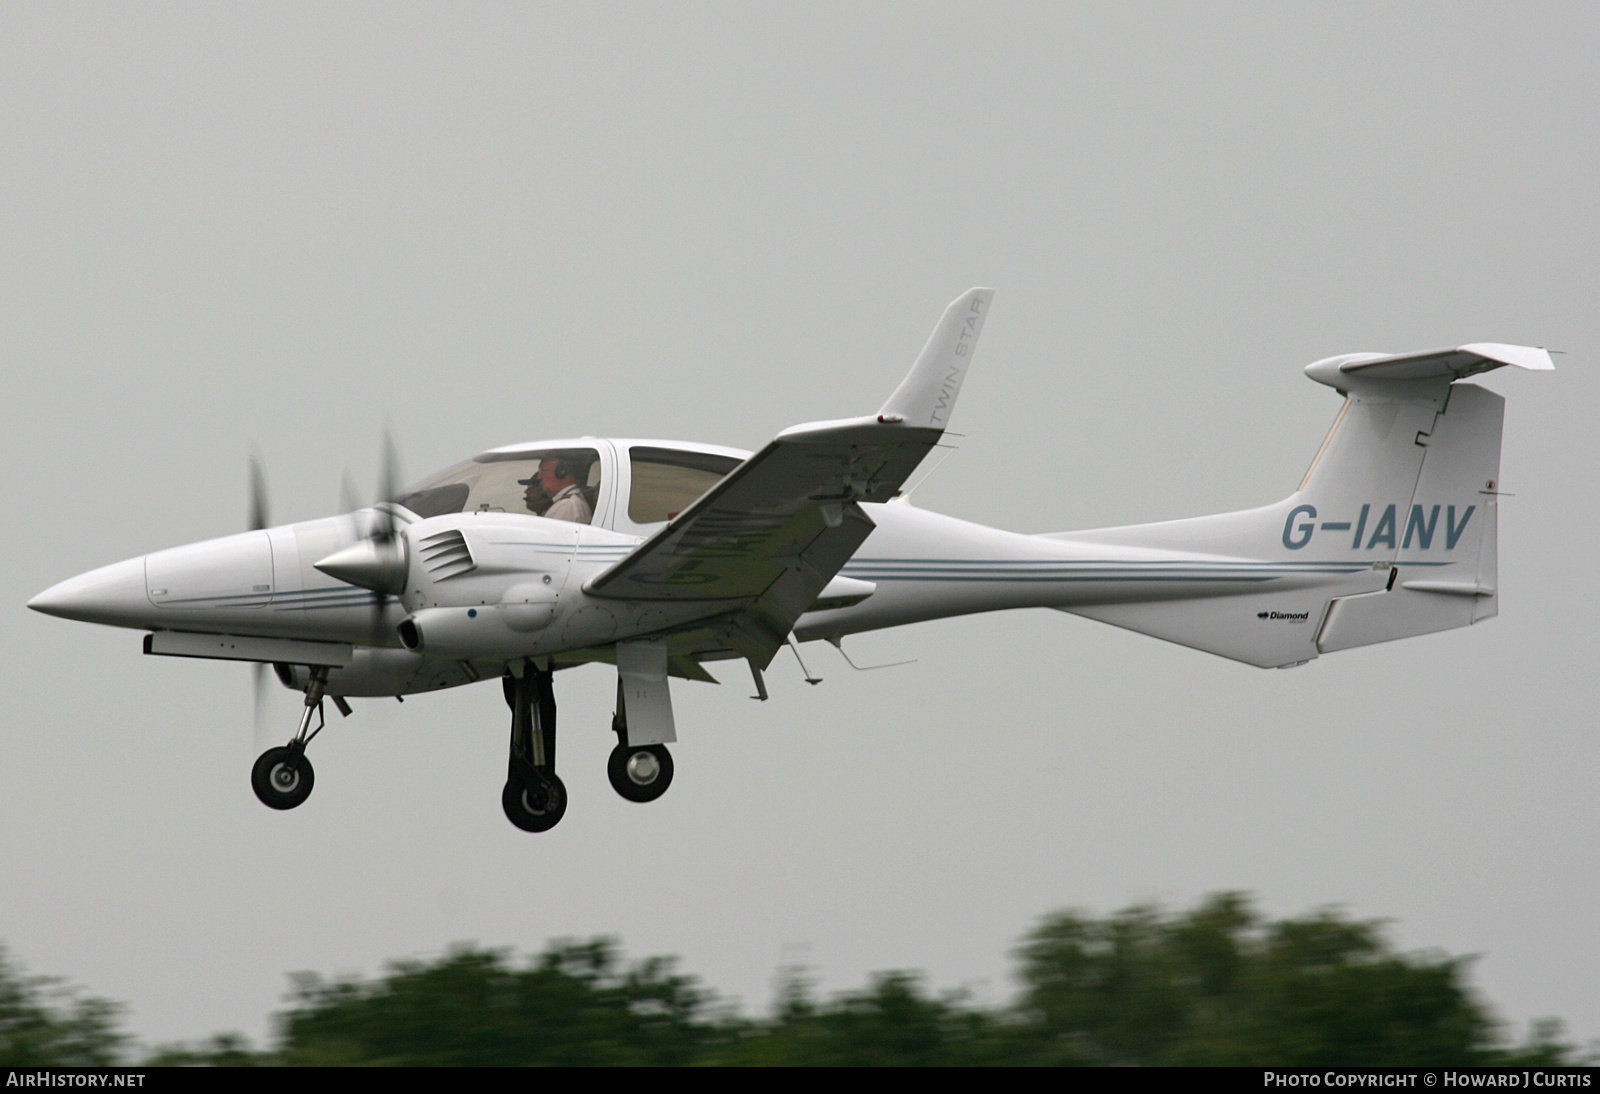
487 584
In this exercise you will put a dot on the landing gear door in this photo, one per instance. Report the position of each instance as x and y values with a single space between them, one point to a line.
646 702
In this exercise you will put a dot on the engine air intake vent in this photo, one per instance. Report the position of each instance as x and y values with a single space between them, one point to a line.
445 555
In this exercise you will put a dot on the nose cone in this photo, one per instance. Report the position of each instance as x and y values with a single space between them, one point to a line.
114 595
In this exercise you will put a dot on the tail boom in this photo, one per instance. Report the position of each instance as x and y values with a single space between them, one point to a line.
1391 534
1404 494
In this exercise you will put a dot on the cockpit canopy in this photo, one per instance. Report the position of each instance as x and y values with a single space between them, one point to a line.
625 485
506 482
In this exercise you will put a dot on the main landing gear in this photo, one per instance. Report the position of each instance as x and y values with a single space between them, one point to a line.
640 773
534 797
282 778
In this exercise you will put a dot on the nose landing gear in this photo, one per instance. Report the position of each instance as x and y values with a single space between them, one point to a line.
282 778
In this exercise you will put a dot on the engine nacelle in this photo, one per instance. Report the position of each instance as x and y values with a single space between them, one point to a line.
497 587
500 631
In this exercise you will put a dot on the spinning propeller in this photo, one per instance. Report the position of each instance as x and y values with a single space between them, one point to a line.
380 560
260 520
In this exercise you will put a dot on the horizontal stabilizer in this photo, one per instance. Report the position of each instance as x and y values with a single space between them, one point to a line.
1433 364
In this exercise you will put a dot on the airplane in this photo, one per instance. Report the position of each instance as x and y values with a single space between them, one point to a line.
660 557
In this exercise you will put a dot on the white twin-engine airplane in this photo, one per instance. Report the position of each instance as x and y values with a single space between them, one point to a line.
658 557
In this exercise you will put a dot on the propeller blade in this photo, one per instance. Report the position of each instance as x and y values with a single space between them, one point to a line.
388 480
389 551
258 684
259 518
349 495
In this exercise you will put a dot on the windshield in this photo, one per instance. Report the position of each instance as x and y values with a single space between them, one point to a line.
560 483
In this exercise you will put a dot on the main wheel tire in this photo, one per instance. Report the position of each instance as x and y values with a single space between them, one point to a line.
640 773
282 778
535 808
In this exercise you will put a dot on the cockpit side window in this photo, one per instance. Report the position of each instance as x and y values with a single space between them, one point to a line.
562 484
666 481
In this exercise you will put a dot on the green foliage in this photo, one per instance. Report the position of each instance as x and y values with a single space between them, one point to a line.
1214 986
222 1050
1219 986
574 1005
891 1024
44 1023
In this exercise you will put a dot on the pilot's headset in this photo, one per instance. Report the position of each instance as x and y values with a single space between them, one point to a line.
562 469
573 466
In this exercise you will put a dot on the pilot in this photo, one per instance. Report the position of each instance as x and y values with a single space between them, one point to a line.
560 485
535 497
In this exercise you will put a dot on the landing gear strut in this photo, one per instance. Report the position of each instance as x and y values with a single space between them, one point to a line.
534 797
282 778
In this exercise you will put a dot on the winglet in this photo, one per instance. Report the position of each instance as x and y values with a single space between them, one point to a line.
928 393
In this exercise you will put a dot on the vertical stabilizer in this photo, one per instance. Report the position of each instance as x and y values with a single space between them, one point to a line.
1392 533
1443 540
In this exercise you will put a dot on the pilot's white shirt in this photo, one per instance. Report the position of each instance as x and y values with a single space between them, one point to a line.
570 504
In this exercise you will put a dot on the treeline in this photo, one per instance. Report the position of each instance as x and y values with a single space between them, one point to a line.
1216 985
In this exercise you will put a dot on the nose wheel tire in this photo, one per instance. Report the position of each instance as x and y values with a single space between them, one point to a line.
536 804
640 773
282 778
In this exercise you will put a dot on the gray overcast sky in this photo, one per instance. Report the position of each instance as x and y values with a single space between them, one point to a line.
490 223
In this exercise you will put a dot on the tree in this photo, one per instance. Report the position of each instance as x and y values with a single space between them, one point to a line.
574 1005
45 1023
1220 986
894 1023
1216 985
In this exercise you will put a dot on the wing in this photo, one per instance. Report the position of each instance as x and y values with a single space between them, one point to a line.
760 545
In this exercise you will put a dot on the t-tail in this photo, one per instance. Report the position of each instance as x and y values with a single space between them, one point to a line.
1392 533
